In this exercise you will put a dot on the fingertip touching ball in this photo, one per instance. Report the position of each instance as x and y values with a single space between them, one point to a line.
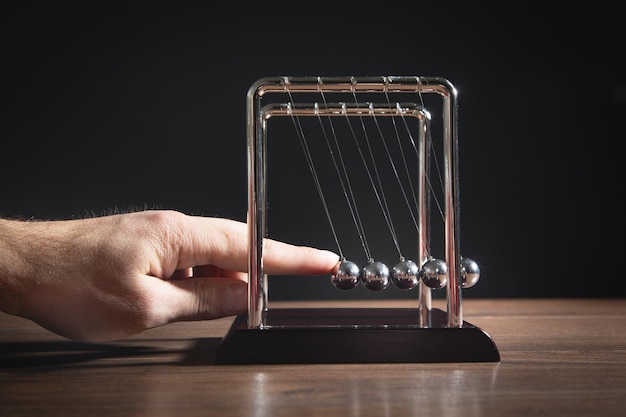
375 276
346 277
470 272
405 275
435 273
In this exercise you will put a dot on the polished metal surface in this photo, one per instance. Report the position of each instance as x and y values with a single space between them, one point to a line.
434 273
405 274
375 276
257 115
347 275
470 272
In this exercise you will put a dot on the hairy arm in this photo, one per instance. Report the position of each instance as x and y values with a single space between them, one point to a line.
108 277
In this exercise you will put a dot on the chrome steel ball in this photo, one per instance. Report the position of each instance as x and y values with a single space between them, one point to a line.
375 276
434 273
405 275
346 276
470 272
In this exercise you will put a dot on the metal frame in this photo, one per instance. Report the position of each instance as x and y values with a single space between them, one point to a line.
257 116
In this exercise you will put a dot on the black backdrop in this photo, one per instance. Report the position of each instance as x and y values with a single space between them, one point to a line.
118 105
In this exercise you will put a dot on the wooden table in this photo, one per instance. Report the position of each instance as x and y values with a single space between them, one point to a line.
558 358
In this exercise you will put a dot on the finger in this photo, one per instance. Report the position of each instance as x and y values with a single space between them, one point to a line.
207 271
224 244
213 271
202 299
213 241
284 259
182 273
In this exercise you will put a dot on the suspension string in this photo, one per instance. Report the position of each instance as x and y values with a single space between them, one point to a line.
419 90
341 169
403 156
430 186
344 179
309 159
432 149
381 201
406 168
402 153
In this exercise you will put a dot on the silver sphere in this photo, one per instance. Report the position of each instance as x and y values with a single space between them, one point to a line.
346 276
470 272
435 273
405 275
375 276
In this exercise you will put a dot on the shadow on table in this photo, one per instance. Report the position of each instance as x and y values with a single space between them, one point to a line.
35 355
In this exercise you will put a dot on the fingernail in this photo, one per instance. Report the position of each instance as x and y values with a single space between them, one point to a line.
237 298
332 257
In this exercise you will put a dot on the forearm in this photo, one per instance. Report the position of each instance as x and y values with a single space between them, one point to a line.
32 260
47 272
13 266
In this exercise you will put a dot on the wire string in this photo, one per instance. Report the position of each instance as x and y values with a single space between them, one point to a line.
344 178
378 190
372 172
307 153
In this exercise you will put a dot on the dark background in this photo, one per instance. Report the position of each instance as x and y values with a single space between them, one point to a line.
109 107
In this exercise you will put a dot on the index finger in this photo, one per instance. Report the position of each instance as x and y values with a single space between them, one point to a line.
224 243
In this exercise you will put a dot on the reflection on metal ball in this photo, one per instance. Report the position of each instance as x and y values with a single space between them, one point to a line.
347 275
470 272
375 276
405 275
434 273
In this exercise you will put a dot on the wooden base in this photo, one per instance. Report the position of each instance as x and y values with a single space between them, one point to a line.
354 335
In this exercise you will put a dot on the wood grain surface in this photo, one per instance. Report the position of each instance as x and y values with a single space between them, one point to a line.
564 357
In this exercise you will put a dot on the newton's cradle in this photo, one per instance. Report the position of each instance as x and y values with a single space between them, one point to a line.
413 158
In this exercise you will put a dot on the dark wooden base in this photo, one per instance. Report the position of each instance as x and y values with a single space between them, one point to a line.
354 335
